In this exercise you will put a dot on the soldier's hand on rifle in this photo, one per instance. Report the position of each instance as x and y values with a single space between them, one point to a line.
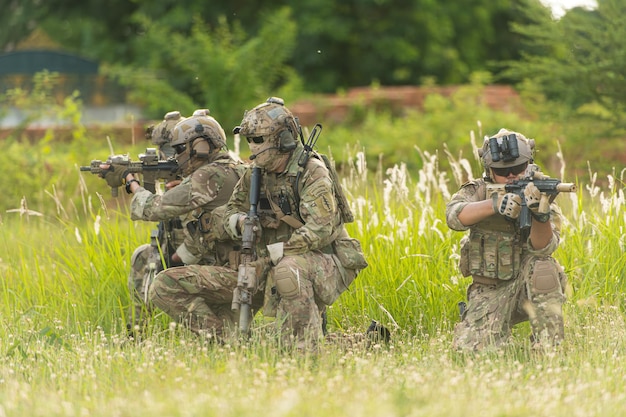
508 205
172 184
537 202
116 175
261 266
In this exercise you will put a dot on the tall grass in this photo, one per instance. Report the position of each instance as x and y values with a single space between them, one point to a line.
64 299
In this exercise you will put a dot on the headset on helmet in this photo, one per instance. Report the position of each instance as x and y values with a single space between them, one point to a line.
506 149
202 126
273 121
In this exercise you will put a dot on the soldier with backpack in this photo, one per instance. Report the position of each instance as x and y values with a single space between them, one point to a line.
303 256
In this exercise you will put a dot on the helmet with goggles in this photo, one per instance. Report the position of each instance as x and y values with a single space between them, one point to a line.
506 151
270 123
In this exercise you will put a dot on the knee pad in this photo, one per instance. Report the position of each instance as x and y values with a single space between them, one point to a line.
287 281
546 277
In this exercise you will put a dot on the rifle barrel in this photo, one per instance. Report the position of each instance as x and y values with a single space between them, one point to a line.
566 187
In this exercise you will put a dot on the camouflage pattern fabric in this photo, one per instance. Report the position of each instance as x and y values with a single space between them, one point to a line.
512 282
193 200
207 188
144 267
310 276
145 263
200 297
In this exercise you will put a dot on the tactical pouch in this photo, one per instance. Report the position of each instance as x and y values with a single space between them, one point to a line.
349 253
493 255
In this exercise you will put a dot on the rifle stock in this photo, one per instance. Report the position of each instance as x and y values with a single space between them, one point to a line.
246 277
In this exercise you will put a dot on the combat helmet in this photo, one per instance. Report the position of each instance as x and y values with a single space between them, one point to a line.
506 149
161 134
270 123
204 127
197 138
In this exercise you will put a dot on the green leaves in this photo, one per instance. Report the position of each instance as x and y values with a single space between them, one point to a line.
219 67
578 60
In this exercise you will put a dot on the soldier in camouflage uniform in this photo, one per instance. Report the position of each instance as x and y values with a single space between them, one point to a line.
146 259
210 174
514 276
305 257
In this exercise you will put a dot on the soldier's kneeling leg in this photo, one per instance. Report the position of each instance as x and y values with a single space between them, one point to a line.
546 293
297 307
176 292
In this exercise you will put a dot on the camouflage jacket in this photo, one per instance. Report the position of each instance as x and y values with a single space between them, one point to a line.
495 245
194 200
315 208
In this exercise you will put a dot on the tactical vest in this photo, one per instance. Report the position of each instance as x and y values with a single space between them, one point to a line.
279 211
206 226
493 249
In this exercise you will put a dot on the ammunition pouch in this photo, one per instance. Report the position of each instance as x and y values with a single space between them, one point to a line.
349 253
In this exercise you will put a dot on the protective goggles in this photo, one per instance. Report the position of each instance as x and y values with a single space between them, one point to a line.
506 171
256 139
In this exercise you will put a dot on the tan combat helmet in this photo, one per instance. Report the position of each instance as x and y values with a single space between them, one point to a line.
161 134
271 121
506 149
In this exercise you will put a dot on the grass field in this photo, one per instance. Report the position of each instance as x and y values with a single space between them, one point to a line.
64 299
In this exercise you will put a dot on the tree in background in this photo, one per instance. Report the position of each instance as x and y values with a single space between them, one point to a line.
339 44
218 67
579 60
229 54
19 18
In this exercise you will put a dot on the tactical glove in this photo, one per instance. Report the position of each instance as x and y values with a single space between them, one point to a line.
277 251
534 198
508 205
115 175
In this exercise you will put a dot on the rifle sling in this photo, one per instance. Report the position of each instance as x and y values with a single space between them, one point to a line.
287 218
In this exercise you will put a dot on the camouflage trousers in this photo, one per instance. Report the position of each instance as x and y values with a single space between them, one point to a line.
145 263
198 296
298 291
536 294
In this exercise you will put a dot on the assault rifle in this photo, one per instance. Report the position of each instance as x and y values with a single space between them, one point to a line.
149 165
549 187
246 278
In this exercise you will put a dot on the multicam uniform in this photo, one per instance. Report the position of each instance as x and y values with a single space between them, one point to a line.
146 260
512 282
210 176
201 196
319 259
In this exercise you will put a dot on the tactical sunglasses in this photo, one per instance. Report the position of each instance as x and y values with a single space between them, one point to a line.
180 148
515 170
256 139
